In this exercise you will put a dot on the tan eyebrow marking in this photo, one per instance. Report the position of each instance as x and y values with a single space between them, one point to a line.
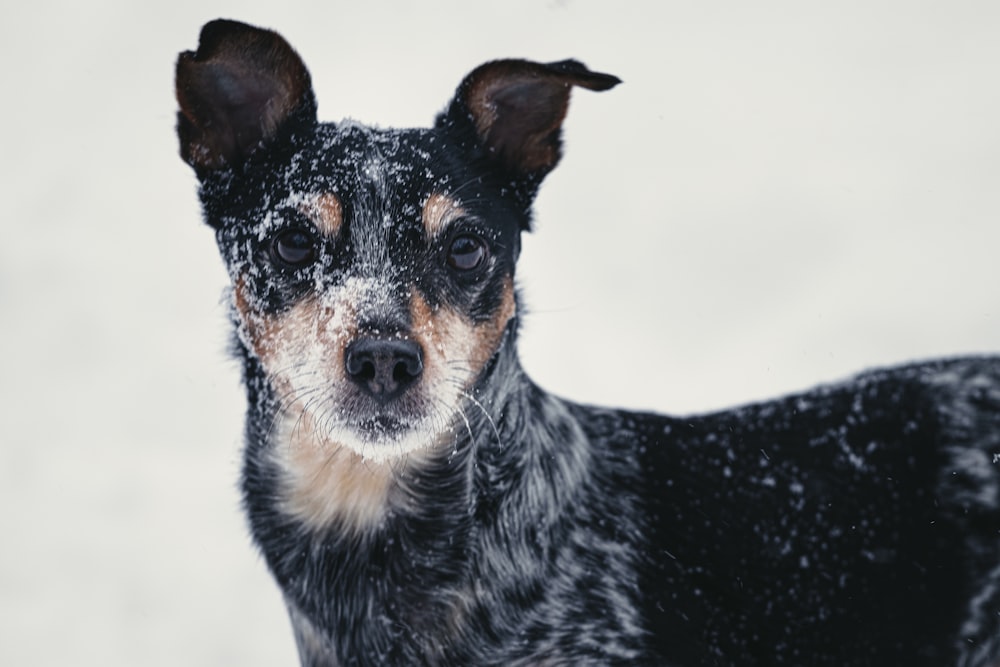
440 210
326 212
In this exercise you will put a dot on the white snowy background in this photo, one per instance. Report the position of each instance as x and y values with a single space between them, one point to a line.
781 193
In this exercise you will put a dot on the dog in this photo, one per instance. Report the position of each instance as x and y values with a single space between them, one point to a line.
421 502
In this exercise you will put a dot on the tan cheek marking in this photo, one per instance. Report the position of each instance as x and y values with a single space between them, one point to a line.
326 213
308 333
444 337
267 335
259 330
449 337
440 210
325 483
489 334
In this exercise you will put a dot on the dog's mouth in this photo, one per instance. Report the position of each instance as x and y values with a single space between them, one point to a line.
382 428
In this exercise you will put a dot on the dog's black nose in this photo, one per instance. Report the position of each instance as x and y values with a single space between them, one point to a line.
384 368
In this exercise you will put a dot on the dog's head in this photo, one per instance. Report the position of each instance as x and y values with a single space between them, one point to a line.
372 270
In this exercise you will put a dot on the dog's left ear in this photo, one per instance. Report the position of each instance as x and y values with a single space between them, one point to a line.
517 108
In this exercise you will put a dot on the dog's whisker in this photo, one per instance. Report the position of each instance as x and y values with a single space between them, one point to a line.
489 418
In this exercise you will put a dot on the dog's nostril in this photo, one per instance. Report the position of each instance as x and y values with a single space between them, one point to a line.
384 368
407 369
360 368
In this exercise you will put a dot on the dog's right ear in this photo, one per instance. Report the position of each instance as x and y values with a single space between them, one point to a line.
236 92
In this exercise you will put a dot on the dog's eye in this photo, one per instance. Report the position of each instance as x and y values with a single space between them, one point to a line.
467 253
293 248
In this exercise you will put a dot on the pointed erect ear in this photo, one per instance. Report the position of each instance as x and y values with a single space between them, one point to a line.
236 92
518 106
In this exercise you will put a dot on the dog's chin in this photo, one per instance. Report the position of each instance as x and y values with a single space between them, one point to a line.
386 438
382 428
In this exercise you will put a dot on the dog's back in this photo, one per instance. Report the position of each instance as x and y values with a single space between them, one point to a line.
421 502
855 525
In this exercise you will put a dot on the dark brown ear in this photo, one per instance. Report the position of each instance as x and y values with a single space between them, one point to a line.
518 106
236 91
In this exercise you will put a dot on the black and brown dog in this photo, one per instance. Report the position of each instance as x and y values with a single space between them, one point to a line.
421 502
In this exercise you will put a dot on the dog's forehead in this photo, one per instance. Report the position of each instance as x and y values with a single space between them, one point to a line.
358 161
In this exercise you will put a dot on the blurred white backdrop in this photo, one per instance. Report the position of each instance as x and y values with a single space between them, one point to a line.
781 193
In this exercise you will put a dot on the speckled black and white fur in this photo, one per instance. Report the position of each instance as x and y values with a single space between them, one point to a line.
421 502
